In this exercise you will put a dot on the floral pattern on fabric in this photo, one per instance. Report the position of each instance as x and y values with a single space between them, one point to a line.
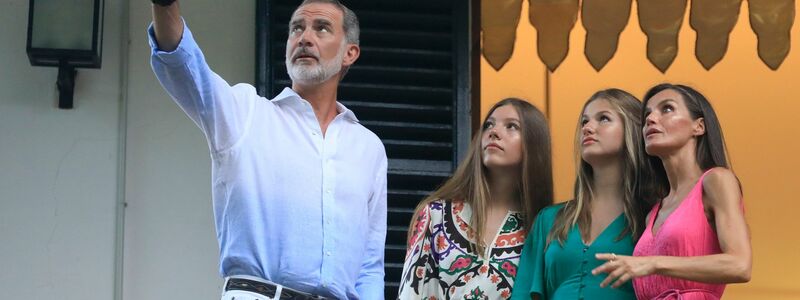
441 264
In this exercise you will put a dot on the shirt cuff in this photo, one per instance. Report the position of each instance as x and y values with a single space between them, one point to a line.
180 55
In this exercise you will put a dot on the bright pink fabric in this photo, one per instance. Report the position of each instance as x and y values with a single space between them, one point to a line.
685 232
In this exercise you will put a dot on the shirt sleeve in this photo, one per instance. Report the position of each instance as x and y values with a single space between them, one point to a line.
370 282
530 278
221 111
420 270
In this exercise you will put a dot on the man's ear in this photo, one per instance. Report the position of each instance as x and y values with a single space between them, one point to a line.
351 54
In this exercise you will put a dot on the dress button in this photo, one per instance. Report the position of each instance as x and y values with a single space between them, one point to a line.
584 262
586 248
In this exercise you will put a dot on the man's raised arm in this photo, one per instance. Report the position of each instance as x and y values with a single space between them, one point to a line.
167 24
221 111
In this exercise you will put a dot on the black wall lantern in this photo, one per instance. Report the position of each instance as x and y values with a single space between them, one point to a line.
67 34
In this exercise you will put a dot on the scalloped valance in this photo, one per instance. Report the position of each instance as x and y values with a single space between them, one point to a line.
660 20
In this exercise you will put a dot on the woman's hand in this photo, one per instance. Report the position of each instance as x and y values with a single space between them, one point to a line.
623 268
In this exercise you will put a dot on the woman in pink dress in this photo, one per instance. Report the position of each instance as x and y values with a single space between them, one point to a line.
696 239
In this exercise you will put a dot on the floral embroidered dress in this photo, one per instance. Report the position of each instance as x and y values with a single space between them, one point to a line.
441 264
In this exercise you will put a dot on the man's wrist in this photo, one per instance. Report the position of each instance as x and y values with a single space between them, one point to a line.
163 2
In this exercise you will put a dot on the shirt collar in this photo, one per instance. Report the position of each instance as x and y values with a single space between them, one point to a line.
289 94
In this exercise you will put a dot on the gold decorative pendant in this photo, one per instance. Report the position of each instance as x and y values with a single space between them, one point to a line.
771 21
661 21
604 20
713 21
553 19
499 21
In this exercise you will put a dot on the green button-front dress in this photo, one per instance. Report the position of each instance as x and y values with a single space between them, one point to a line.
565 271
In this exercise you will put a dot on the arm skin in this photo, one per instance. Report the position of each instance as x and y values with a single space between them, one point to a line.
168 26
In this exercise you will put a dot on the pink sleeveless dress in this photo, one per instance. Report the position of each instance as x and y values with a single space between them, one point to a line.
685 232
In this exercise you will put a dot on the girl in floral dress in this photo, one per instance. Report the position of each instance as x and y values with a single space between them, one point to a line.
466 238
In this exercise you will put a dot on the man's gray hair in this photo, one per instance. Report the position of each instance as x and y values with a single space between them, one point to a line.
350 25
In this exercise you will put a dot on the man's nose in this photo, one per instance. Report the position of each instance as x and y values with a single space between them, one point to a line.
305 39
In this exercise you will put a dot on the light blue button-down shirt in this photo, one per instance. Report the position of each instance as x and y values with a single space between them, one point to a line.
290 205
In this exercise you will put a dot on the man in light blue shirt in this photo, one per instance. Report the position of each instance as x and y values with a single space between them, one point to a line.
299 186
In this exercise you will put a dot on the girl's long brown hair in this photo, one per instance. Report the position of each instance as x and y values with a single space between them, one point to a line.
637 183
469 182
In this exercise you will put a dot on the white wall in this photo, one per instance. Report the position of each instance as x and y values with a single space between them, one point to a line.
170 243
58 170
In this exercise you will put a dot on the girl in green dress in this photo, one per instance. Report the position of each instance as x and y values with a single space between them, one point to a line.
606 215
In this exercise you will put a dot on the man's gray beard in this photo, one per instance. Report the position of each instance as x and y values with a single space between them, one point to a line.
317 74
